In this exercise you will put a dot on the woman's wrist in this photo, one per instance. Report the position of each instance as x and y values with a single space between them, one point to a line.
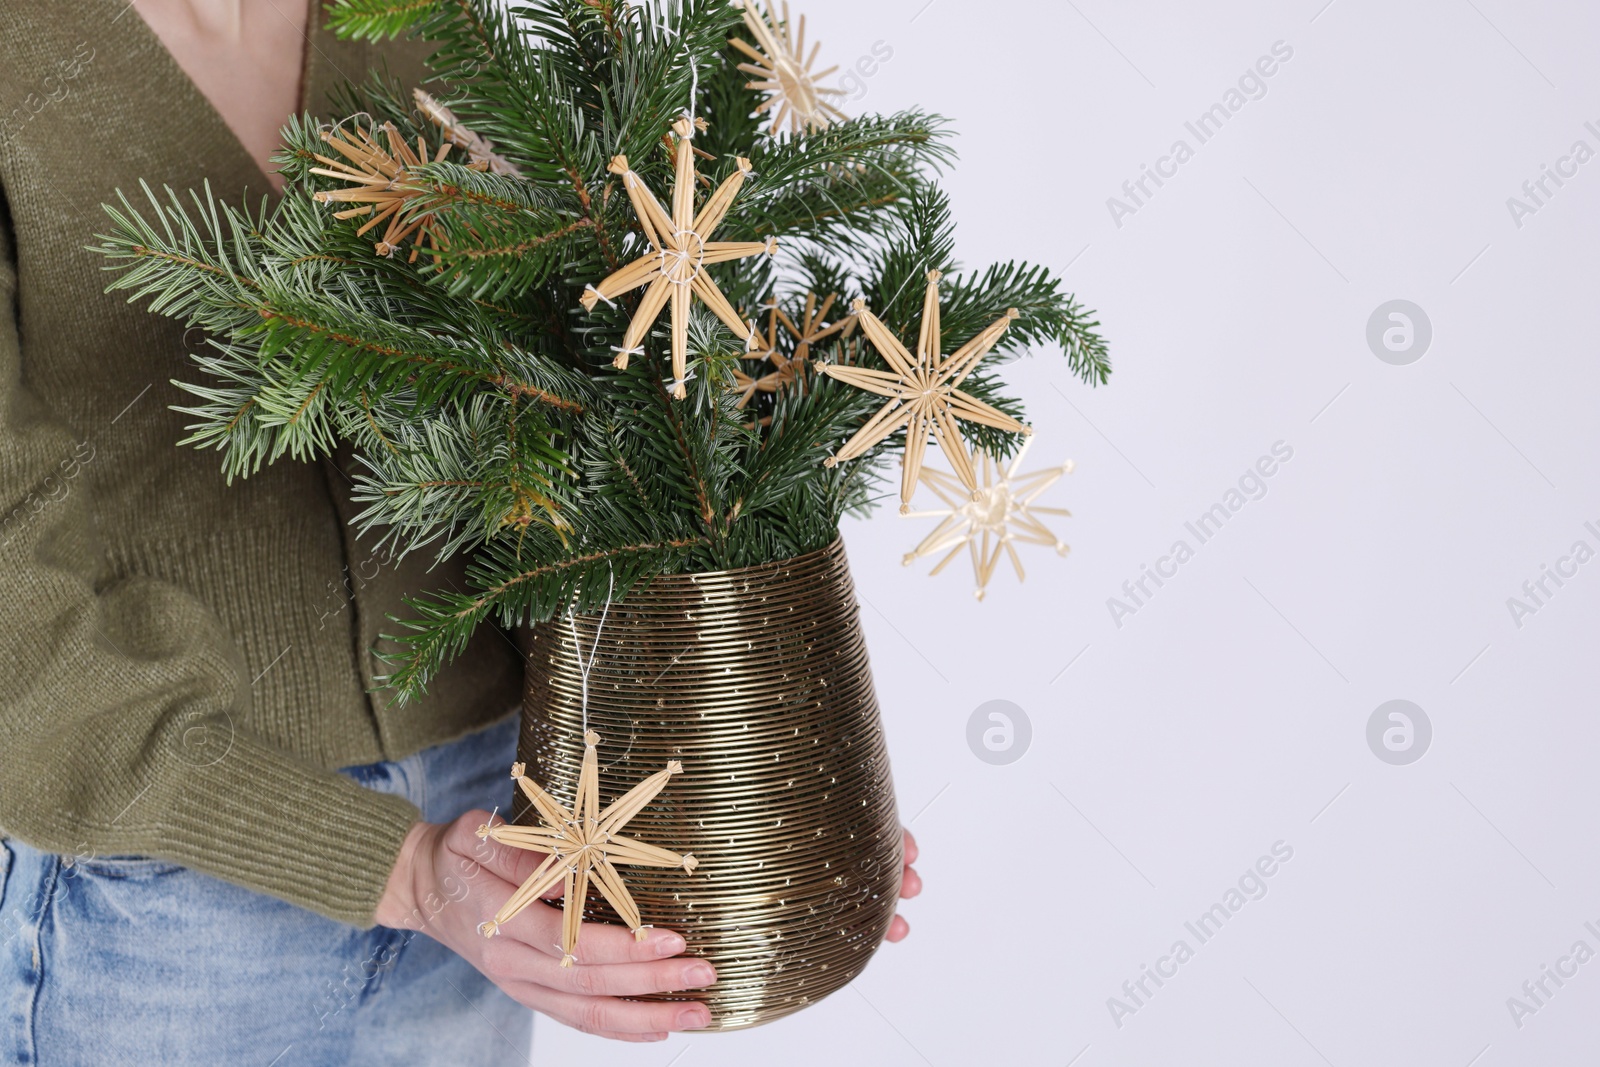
398 905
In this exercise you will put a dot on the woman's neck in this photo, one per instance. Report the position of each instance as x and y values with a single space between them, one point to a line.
246 56
219 19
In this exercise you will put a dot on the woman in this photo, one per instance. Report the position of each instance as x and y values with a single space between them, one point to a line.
220 846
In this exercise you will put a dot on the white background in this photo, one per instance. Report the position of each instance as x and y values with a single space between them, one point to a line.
1230 712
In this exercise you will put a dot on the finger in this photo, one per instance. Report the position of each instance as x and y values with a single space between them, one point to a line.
910 883
604 943
606 1015
516 962
898 929
631 979
512 864
598 943
911 847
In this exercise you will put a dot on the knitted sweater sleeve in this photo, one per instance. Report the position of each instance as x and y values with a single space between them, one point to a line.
123 701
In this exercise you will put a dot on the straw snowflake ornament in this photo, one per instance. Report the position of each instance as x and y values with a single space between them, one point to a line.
924 394
783 71
1001 515
582 844
814 326
789 369
381 183
382 178
680 250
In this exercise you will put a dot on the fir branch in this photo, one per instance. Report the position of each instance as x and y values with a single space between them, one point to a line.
866 141
378 19
476 392
565 566
1047 315
442 624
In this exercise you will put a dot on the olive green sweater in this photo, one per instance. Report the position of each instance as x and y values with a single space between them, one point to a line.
183 663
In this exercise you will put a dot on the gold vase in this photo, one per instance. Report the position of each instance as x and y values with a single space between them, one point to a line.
757 680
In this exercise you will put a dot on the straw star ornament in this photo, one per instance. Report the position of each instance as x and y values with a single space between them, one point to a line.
381 184
924 394
814 326
1001 515
582 845
783 70
680 250
789 369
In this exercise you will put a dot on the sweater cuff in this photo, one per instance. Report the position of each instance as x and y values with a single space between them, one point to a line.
263 819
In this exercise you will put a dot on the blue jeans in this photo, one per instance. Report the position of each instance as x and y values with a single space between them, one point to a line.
138 961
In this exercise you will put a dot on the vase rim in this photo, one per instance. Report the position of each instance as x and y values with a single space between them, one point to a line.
832 548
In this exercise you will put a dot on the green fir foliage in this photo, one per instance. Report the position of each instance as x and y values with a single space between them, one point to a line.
477 393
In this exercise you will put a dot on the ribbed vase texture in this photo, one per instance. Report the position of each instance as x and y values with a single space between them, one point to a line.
757 680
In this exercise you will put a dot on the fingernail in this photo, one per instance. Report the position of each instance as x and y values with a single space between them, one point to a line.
699 974
669 944
694 1018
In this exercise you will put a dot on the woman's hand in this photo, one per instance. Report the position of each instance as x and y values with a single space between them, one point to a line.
447 881
910 886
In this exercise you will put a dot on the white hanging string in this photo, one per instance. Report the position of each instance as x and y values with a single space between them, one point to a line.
336 127
583 667
694 90
694 86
